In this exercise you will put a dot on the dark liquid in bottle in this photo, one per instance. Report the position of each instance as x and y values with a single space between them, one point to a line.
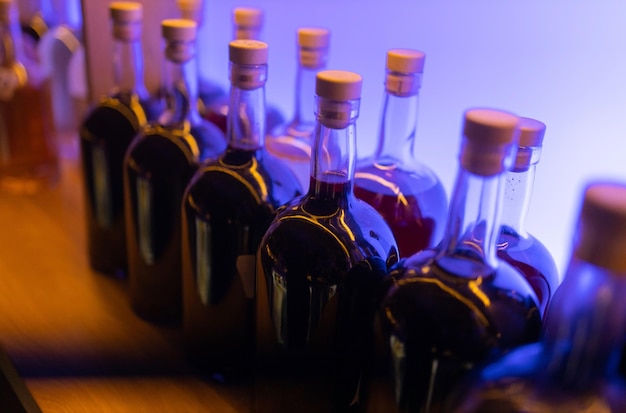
320 269
227 208
415 208
158 167
105 136
533 260
442 316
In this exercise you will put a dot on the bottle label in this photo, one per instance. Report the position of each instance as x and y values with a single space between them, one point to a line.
144 219
101 188
203 261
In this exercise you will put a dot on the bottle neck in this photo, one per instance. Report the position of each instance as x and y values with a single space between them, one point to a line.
304 115
181 93
334 147
246 113
585 326
399 120
128 67
474 218
518 190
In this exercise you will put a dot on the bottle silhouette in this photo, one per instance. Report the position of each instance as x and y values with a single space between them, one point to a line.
292 141
158 166
403 190
453 306
105 135
28 159
208 90
247 25
227 208
574 367
320 267
515 245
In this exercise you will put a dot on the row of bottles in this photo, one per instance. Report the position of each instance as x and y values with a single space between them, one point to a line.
330 302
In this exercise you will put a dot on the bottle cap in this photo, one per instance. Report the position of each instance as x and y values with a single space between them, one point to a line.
191 9
338 85
6 8
313 46
248 52
602 226
127 18
531 132
489 137
247 17
180 37
405 60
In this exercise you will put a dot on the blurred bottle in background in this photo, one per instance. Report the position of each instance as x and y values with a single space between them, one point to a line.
105 135
158 166
227 208
247 25
515 245
403 190
208 90
291 142
456 305
28 160
574 367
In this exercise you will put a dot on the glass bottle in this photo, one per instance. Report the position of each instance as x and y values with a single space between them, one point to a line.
515 245
227 208
247 25
457 304
158 166
574 367
403 190
208 90
106 133
292 141
320 266
28 160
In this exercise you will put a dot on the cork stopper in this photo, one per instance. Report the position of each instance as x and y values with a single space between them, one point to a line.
338 85
530 141
248 22
127 17
313 45
489 137
602 226
404 71
180 37
248 69
191 10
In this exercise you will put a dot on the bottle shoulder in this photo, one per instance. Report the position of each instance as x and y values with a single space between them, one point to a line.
392 178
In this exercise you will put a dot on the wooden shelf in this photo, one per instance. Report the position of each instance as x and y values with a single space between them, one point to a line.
70 332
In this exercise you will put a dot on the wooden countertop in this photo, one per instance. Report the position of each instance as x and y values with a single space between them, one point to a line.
70 332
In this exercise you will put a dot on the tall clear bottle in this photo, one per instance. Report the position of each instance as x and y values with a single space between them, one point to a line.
227 208
28 160
515 245
247 25
403 190
574 367
158 166
105 135
292 141
320 267
208 90
458 304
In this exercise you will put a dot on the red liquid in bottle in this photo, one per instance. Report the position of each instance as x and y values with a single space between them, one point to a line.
320 268
414 207
532 259
227 208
